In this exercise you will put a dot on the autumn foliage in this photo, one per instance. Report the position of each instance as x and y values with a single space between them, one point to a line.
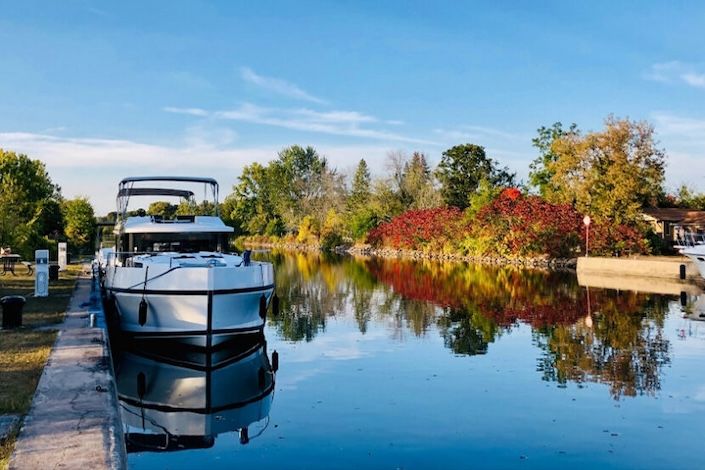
511 225
518 225
419 229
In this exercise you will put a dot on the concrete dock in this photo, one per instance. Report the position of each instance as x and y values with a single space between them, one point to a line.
662 267
74 421
648 274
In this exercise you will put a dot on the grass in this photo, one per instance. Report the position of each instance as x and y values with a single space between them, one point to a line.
24 351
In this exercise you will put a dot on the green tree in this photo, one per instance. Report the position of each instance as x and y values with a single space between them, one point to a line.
610 175
462 168
541 171
360 193
192 207
690 199
28 200
418 190
163 209
303 184
80 222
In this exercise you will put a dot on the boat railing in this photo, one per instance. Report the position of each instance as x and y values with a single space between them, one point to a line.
124 258
689 239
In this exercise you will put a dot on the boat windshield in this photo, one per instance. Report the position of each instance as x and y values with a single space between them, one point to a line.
180 242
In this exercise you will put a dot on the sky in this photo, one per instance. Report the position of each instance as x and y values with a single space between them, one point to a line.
104 90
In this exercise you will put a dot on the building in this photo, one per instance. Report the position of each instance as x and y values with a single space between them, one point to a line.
667 222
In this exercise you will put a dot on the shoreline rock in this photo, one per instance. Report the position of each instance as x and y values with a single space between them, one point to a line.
394 253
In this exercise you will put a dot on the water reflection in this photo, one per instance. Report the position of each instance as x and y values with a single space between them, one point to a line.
175 398
603 336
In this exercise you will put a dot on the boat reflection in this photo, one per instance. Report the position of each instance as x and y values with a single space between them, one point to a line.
175 398
693 306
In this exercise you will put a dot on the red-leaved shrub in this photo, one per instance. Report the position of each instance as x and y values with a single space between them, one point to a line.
418 229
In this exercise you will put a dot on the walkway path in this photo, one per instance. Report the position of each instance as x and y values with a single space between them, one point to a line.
74 421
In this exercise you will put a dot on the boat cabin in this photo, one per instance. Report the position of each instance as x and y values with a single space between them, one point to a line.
181 234
185 234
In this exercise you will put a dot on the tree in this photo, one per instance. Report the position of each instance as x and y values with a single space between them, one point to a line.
297 183
251 206
28 199
689 198
80 222
191 207
541 172
462 168
360 193
609 175
418 191
162 209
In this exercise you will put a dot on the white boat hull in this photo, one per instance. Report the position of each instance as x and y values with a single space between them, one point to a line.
186 400
697 255
203 306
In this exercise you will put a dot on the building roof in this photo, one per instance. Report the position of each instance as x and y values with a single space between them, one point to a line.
677 215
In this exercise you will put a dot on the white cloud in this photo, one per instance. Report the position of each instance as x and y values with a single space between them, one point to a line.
676 72
342 123
689 131
189 111
278 86
694 79
94 166
684 141
480 135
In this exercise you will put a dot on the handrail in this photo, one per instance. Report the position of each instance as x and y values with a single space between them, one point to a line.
123 255
689 239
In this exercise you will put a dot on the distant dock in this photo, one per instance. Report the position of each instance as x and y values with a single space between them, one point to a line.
669 275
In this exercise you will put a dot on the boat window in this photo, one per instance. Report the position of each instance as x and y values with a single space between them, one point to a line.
179 242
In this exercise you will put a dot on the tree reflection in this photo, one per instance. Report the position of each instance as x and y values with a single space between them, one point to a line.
309 291
612 338
621 344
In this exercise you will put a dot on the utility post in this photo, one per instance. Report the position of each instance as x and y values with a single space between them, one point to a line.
586 221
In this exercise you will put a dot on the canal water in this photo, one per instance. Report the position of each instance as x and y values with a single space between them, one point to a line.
400 364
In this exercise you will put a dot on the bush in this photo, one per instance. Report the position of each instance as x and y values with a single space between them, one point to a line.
307 231
419 229
518 225
332 231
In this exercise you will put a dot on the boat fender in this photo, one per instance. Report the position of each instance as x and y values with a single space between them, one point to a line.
275 361
275 305
143 312
261 378
141 385
262 306
244 436
684 299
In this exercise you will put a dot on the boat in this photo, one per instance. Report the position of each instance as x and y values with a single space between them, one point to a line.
692 245
174 399
175 277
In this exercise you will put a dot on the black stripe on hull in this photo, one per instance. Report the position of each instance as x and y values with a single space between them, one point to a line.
242 290
202 411
192 333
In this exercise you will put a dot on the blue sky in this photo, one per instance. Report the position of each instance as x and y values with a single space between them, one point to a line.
103 90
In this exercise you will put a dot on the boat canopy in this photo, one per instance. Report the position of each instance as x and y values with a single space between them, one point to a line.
127 188
155 192
188 179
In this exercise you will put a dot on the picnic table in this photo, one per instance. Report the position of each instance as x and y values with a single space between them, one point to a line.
8 263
